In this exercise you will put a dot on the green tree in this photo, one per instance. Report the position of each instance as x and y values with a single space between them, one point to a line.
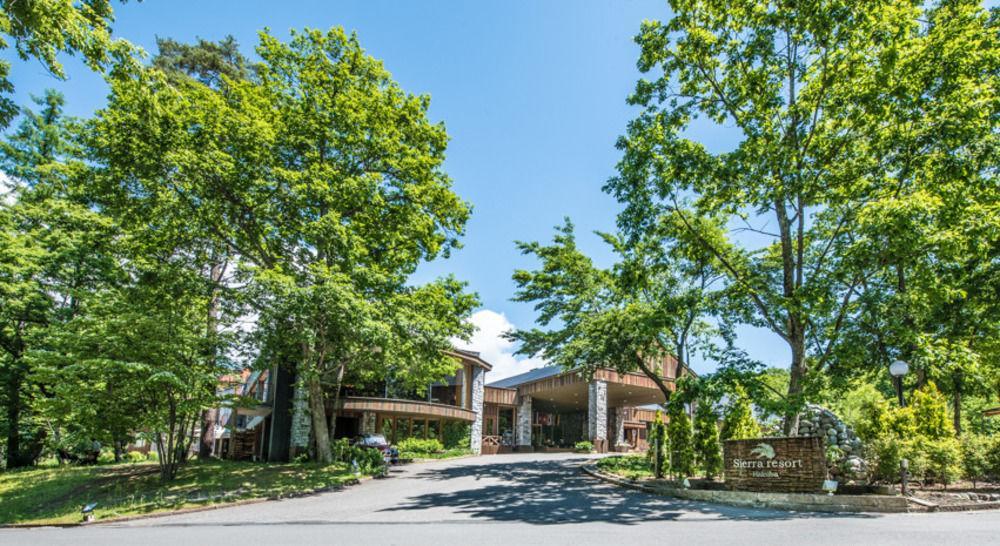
46 28
707 449
682 452
326 179
51 253
658 453
738 422
803 85
650 307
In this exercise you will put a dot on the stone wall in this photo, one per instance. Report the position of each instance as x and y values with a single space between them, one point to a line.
775 464
478 390
821 422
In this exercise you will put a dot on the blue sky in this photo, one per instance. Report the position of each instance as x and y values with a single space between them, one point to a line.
532 94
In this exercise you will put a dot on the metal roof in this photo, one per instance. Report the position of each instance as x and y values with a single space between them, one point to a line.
527 377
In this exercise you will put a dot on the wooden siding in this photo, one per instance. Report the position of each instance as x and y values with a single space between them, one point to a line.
571 378
498 396
406 407
630 379
639 416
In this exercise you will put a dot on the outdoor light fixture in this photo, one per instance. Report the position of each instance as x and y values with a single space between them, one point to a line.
897 370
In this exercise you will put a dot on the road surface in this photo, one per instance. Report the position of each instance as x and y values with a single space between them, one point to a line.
514 499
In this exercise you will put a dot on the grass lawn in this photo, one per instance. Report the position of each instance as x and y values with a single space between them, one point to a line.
56 494
633 467
446 454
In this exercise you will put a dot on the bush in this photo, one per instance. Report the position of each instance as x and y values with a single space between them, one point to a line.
707 449
416 445
657 437
629 466
135 457
456 434
738 422
583 447
681 440
976 458
930 460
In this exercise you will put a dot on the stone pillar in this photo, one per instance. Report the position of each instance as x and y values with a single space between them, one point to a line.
368 422
523 431
301 422
620 426
597 414
478 392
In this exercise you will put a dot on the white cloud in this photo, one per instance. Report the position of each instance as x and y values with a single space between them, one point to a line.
496 350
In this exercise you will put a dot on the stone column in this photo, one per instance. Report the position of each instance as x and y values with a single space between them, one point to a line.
368 422
478 392
620 425
301 423
597 414
523 431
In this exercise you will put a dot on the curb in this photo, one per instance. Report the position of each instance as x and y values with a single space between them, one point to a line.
782 501
194 509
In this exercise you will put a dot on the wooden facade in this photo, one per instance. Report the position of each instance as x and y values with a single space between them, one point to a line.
405 407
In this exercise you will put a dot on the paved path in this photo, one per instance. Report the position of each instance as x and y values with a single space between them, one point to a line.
514 499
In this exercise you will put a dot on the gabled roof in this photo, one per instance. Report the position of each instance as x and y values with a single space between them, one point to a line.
471 356
527 377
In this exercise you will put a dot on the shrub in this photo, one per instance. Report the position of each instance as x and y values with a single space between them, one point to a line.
930 411
629 466
341 450
738 421
417 445
942 458
681 440
456 434
107 456
976 457
929 459
135 457
583 447
657 437
707 449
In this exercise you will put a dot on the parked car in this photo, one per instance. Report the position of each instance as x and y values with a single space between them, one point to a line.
377 441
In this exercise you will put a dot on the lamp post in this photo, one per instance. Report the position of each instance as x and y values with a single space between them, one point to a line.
897 370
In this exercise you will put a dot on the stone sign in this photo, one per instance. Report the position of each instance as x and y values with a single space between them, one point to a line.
795 464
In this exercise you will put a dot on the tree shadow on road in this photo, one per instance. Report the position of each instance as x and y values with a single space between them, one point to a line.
555 491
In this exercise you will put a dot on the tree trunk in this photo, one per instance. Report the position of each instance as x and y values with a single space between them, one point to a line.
14 416
318 409
336 399
797 344
206 442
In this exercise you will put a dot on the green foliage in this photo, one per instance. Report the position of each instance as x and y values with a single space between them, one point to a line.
583 446
420 446
930 412
977 455
872 227
632 467
44 30
707 448
136 457
657 455
738 422
456 434
682 453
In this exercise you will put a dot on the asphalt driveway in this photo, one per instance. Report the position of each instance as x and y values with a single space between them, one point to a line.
514 499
